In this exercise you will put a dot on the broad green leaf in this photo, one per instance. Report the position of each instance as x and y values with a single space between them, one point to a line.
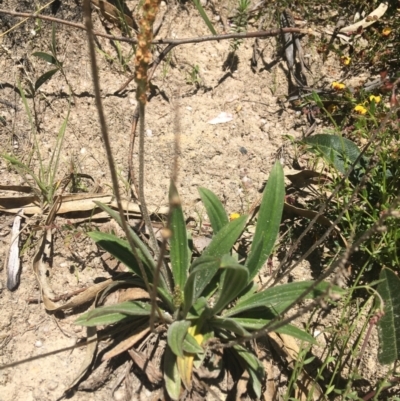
389 324
254 367
128 308
108 318
46 57
120 249
147 258
204 16
229 324
276 299
203 270
176 334
215 209
171 375
44 78
234 279
179 253
224 240
190 345
268 222
337 150
114 313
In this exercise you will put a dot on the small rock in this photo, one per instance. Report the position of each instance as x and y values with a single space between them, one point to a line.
39 344
52 385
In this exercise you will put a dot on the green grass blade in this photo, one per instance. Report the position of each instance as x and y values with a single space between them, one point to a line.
57 151
268 222
204 16
215 209
179 253
389 324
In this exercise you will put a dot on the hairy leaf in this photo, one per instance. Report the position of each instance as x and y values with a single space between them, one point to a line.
203 270
268 222
179 253
276 299
215 209
337 150
177 332
389 324
171 375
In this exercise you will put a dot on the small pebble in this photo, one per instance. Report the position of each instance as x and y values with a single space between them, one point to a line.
52 385
38 344
243 150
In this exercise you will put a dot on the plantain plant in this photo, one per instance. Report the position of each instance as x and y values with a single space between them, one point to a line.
211 296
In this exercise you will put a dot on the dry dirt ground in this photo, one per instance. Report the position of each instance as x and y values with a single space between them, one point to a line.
232 159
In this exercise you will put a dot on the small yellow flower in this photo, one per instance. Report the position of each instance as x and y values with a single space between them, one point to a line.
234 216
338 86
345 60
360 109
376 99
386 31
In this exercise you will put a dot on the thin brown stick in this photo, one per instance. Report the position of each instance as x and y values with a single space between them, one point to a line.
104 131
209 38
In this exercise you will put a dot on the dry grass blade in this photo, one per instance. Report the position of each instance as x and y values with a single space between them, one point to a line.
151 371
89 356
124 345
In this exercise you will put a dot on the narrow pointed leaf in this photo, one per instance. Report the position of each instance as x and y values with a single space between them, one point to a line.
268 222
53 39
120 249
224 240
389 324
276 299
204 16
179 253
44 78
171 375
114 313
215 209
203 270
46 57
176 335
234 279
